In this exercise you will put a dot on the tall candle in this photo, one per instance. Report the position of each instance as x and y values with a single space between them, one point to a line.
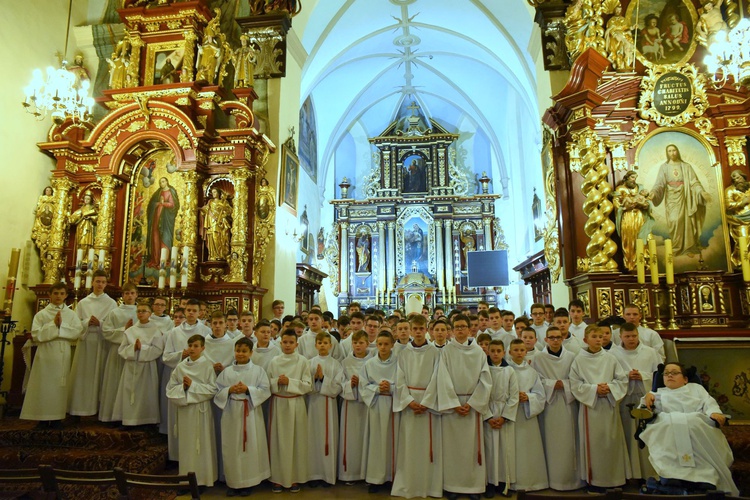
102 255
163 259
79 258
654 262
173 268
173 257
184 267
640 262
742 242
162 281
90 262
77 280
669 260
89 277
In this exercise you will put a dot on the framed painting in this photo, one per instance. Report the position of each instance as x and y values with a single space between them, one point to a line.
308 139
289 179
680 180
665 30
164 62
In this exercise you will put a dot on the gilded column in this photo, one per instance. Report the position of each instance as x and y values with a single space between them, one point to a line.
344 258
439 245
238 254
190 221
449 256
106 219
54 262
487 234
391 260
133 78
188 59
381 258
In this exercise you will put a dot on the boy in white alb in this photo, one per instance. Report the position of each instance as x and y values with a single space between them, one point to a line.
378 384
192 387
307 340
577 326
646 336
113 331
290 379
640 362
562 321
353 428
537 320
322 412
264 350
559 420
137 400
598 382
531 468
175 351
243 387
403 335
499 432
356 323
464 385
233 321
53 331
159 314
88 360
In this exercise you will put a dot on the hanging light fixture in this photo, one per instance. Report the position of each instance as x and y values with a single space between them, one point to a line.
729 56
57 94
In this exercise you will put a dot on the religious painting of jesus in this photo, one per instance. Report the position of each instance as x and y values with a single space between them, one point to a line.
415 174
681 180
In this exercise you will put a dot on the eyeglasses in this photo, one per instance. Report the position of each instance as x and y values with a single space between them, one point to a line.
673 373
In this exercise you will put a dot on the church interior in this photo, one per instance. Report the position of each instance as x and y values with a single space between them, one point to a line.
332 152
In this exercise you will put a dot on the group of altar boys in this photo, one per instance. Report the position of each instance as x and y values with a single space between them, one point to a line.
424 405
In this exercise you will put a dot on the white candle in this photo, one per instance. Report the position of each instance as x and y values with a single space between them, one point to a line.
101 260
184 267
90 262
79 258
162 281
88 279
173 279
163 259
183 280
173 256
77 281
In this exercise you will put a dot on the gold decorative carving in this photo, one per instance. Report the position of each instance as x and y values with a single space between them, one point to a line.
705 127
53 261
619 302
222 159
133 71
182 101
106 219
183 141
188 60
737 122
698 102
551 234
584 26
238 255
110 147
585 297
203 119
207 105
268 61
265 220
499 243
732 100
604 302
736 151
597 206
733 16
639 131
71 166
162 124
332 257
582 264
190 219
43 214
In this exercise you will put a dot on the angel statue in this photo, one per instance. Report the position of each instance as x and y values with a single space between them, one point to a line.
710 22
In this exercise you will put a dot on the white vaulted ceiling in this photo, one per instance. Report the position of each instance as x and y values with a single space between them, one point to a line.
463 61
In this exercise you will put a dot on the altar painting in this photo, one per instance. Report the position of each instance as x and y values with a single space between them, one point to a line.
415 242
686 203
666 30
155 219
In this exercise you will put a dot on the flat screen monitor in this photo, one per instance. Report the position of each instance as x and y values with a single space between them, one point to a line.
487 269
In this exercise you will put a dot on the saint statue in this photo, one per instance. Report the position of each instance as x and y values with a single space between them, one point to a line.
684 202
85 221
118 64
43 219
363 253
217 217
80 72
710 22
632 215
737 201
162 214
469 245
244 64
209 52
619 41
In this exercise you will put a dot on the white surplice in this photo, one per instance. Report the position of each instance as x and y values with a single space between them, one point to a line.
652 339
307 346
500 444
323 420
137 400
419 459
287 426
646 360
175 343
353 427
683 441
195 420
88 361
49 382
531 467
463 378
262 356
604 454
559 421
243 430
113 331
382 423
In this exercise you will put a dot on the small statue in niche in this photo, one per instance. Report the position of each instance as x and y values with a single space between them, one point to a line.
45 209
209 52
619 41
363 252
737 201
468 244
118 64
710 22
243 60
217 222
85 221
632 215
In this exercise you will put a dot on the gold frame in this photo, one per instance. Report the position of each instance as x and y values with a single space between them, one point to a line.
152 51
698 100
715 164
287 155
693 42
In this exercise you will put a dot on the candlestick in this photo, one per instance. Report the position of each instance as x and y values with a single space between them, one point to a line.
744 258
640 262
102 256
672 307
653 261
669 261
658 325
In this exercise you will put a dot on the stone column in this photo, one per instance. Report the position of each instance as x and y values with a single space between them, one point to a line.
439 247
391 260
106 219
190 220
381 258
487 234
238 257
449 256
54 262
344 259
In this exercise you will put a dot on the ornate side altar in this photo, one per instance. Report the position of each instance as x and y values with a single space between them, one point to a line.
168 190
411 233
648 160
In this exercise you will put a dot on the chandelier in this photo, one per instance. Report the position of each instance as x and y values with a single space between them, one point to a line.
59 94
729 56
